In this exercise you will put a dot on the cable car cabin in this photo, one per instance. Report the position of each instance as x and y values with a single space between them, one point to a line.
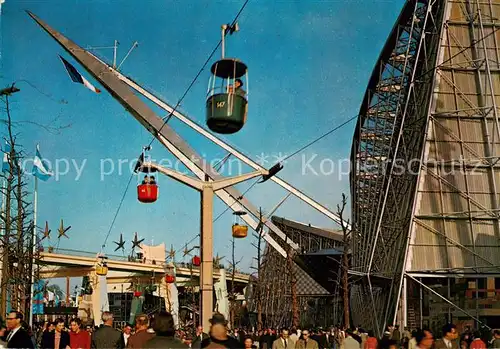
227 97
196 261
240 231
101 269
147 193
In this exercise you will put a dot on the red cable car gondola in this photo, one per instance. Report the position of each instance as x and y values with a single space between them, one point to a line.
196 261
147 191
169 279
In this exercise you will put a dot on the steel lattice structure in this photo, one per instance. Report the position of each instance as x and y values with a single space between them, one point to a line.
318 302
425 159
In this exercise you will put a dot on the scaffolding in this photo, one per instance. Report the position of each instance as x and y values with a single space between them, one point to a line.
425 159
319 302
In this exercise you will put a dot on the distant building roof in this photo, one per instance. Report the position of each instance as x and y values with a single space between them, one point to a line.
327 252
322 232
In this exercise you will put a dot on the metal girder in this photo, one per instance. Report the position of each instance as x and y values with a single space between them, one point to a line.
164 133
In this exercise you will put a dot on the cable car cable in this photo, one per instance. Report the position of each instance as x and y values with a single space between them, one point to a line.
169 116
236 200
187 243
120 205
287 157
416 78
320 138
117 211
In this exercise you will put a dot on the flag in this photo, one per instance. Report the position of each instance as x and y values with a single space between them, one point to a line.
40 169
77 77
50 295
5 162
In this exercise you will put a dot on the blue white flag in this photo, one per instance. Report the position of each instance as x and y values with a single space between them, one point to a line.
77 77
41 168
5 161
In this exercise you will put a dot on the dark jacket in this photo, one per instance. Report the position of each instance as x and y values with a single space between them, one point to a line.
165 342
197 341
139 339
106 337
230 342
49 340
21 339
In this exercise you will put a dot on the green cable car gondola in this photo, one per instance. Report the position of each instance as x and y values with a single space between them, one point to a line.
227 95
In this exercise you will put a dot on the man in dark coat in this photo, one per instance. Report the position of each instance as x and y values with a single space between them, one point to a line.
141 336
200 336
163 325
17 337
106 337
57 339
218 334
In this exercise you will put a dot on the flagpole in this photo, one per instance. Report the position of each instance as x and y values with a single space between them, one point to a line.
35 202
2 230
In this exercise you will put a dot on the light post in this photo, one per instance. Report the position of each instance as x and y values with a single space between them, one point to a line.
207 188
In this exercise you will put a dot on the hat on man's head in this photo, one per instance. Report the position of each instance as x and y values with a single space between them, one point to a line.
218 318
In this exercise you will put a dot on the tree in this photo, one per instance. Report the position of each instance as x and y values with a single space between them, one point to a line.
17 243
346 242
232 292
257 291
293 286
18 254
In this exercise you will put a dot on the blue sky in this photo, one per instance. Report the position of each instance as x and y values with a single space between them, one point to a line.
309 63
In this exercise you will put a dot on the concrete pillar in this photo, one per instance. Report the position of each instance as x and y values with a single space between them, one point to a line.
170 295
206 243
222 295
100 301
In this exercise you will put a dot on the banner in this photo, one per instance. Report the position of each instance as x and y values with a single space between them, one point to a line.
38 299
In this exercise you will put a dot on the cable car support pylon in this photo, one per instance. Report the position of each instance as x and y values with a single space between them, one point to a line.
201 168
113 82
239 155
213 138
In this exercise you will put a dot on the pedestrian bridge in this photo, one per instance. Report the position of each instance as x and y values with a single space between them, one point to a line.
124 272
60 263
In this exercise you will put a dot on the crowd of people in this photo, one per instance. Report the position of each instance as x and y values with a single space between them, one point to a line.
158 331
393 338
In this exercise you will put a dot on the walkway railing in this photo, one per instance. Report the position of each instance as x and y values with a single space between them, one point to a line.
123 258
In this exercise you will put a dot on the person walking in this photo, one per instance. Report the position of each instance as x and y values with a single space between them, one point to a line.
141 336
17 337
200 336
306 342
78 338
106 337
163 325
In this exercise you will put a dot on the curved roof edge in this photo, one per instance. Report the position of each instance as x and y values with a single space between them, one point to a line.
385 53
